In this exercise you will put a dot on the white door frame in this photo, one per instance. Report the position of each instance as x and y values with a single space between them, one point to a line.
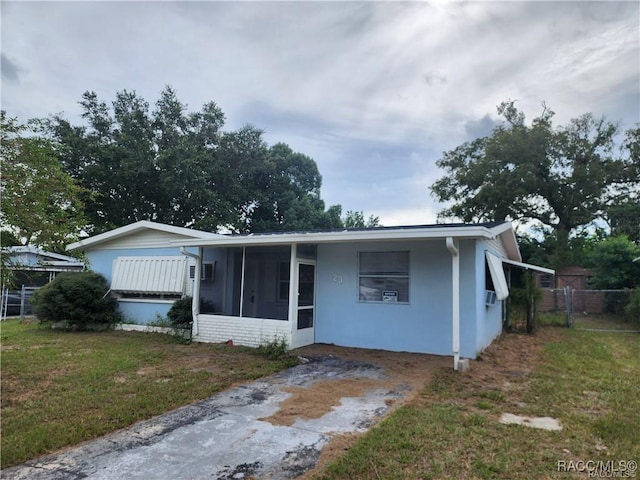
305 336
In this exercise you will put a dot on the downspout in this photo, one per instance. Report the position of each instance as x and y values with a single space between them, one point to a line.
455 298
196 290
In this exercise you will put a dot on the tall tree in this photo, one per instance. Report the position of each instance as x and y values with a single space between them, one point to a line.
40 202
288 194
564 178
181 168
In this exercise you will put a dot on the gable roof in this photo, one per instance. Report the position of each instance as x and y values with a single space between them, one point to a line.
134 228
25 255
489 231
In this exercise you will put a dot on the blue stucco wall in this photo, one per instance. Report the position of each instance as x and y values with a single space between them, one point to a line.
101 261
424 325
142 312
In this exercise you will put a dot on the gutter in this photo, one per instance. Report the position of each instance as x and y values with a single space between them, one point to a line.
196 290
452 246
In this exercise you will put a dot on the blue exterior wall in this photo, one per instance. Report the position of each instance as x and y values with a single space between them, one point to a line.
142 312
424 325
101 261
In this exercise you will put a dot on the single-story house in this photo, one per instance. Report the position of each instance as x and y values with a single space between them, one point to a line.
435 289
145 266
34 267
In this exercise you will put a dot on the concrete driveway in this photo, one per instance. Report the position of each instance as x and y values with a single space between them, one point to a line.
273 428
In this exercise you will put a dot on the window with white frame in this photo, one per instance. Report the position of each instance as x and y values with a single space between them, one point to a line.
384 277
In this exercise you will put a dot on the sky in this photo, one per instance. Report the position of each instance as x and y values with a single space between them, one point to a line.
374 92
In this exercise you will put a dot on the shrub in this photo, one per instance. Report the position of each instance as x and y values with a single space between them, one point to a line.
180 314
78 301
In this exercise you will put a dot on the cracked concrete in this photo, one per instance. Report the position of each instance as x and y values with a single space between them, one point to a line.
224 437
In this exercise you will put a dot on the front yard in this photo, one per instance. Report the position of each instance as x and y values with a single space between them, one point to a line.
590 381
60 388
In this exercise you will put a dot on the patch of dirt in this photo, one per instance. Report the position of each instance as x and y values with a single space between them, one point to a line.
510 358
404 371
319 398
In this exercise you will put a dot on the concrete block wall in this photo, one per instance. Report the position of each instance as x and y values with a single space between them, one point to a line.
250 332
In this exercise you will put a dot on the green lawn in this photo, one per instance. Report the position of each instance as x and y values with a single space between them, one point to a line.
589 381
61 388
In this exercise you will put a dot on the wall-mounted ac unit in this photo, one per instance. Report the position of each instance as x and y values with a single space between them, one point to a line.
490 298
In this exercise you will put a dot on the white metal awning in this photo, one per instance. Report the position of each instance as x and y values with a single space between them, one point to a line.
497 276
528 266
153 275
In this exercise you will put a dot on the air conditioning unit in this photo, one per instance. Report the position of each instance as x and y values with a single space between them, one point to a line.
490 298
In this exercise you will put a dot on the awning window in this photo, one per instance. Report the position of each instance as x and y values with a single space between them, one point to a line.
149 275
497 276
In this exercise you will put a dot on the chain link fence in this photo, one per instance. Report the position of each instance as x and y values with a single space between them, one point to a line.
16 303
590 309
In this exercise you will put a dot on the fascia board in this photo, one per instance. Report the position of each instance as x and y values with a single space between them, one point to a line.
136 227
342 236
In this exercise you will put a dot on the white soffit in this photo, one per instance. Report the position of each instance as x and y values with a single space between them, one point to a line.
154 275
497 276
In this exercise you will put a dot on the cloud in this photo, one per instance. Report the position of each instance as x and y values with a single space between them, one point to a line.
10 69
373 91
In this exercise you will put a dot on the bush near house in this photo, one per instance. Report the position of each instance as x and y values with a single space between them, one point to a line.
180 314
76 301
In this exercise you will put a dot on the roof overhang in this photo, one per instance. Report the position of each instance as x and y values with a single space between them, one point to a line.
138 227
504 231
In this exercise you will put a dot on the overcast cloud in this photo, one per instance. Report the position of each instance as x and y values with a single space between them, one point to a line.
373 91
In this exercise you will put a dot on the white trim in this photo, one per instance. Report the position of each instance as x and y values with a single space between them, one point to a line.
137 227
497 275
528 266
373 235
146 300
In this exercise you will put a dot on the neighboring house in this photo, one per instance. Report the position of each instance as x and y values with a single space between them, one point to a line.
33 267
435 289
144 266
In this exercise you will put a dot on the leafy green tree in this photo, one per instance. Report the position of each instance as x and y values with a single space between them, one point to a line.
564 178
181 168
282 191
355 219
612 262
144 165
40 201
